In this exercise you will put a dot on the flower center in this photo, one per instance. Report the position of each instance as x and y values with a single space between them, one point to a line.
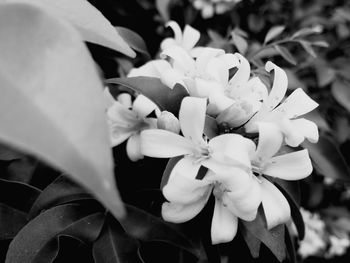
219 190
201 152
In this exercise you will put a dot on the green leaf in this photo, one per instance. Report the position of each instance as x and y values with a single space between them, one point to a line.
21 170
18 195
295 212
163 8
327 158
114 245
12 220
308 48
61 191
72 220
320 43
240 43
341 92
146 227
9 154
134 40
273 33
252 242
306 31
52 96
90 22
164 97
273 239
290 247
285 54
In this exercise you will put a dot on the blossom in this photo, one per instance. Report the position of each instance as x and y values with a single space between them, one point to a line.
186 39
210 7
283 116
126 121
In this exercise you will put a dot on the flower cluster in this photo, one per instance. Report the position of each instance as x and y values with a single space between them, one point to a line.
242 160
210 7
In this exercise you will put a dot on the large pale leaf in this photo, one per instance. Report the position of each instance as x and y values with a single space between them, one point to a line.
51 99
90 22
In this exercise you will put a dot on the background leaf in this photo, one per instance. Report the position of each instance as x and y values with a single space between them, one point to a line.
284 52
89 21
341 92
70 219
327 158
165 98
273 33
134 40
52 95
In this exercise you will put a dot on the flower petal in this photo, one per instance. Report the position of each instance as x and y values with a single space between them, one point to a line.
293 136
167 43
192 118
144 106
203 88
290 166
279 87
170 77
307 128
180 213
243 73
217 70
220 100
164 144
182 186
224 224
276 207
177 31
133 148
181 57
270 141
232 149
150 69
190 37
298 103
125 99
204 58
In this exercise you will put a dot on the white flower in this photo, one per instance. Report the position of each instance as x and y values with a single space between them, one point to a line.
126 121
186 39
282 116
338 246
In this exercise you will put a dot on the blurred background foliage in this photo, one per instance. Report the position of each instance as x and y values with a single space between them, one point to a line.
309 39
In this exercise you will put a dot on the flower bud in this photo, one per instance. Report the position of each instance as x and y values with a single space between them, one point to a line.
168 121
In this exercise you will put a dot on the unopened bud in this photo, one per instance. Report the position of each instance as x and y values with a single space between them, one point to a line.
168 121
236 115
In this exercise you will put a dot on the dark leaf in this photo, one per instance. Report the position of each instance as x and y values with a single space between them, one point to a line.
306 31
273 33
169 167
273 239
285 54
71 219
134 40
210 127
8 154
252 242
12 220
163 8
115 246
18 195
295 212
341 92
327 158
146 227
62 190
240 43
320 44
21 170
165 98
290 247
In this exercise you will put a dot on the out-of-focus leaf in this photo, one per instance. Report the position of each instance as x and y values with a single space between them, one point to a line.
134 40
285 54
317 118
307 31
169 167
341 92
52 96
210 127
21 170
89 21
327 158
325 74
163 8
72 220
308 48
273 239
12 220
114 245
293 81
165 98
273 33
295 212
240 43
320 44
290 247
252 242
18 195
146 227
62 190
